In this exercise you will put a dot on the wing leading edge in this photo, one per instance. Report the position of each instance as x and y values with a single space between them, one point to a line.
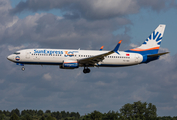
92 61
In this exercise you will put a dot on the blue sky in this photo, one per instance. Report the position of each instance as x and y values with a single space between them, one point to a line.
87 25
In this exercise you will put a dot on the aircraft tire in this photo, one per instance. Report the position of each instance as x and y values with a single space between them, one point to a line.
23 68
88 70
85 71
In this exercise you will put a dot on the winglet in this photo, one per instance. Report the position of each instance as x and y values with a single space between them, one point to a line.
101 48
117 47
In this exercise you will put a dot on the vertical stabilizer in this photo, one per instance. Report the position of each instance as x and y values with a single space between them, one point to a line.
152 44
154 40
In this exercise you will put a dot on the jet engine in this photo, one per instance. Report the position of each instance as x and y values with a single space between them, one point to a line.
69 64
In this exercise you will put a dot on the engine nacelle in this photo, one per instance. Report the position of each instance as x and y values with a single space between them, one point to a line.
69 64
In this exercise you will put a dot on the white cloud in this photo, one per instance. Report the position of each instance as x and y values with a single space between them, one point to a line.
14 21
31 19
47 77
59 17
166 57
12 48
133 45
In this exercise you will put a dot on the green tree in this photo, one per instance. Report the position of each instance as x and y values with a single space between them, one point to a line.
14 117
47 111
111 116
50 118
96 115
2 116
23 112
42 118
151 111
1 112
28 117
64 115
138 110
40 113
54 114
127 111
30 112
73 114
6 113
16 111
58 115
78 115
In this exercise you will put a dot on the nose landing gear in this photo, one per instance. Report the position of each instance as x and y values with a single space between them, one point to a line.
87 70
23 68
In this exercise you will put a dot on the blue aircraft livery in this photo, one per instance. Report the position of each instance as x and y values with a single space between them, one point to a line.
154 35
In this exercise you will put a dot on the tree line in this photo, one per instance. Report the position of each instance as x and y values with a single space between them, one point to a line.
135 111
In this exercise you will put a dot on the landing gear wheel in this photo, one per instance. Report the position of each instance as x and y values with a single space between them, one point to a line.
86 70
23 68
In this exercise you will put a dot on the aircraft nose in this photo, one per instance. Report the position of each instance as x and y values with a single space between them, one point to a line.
10 57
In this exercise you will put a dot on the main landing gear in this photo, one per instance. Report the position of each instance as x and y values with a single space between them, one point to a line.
86 70
23 68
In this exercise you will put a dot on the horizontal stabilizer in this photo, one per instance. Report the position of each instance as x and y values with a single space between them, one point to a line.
159 54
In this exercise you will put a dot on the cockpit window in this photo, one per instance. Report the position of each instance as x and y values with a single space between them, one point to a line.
17 53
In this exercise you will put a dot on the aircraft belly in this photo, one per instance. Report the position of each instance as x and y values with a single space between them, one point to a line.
118 62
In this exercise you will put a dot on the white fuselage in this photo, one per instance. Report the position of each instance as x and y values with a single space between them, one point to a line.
58 56
71 59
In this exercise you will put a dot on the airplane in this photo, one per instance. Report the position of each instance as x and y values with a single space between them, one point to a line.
72 59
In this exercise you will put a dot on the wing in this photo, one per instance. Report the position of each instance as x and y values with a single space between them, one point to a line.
92 61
